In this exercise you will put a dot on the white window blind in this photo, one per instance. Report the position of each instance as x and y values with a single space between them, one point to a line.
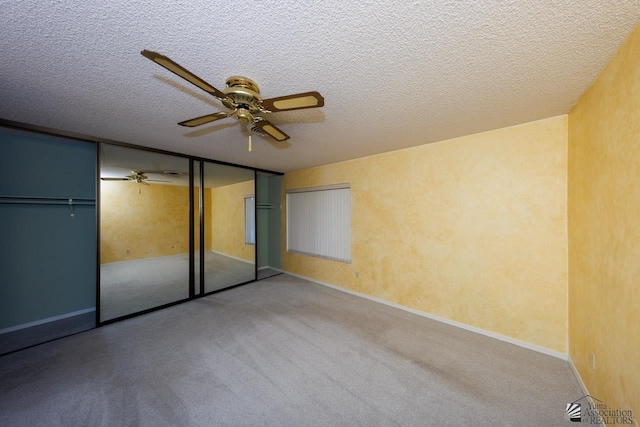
319 222
249 220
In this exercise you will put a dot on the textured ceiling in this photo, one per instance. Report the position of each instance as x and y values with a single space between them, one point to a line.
394 73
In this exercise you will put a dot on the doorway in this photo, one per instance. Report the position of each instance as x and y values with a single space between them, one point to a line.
269 220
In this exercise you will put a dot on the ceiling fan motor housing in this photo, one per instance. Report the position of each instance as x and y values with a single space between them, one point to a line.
244 94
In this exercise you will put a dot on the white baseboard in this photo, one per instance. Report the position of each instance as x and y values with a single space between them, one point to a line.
177 255
272 268
47 320
490 334
578 377
145 259
232 257
585 392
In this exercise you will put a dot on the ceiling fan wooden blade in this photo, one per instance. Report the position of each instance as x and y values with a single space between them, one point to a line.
182 72
115 179
204 119
297 101
267 127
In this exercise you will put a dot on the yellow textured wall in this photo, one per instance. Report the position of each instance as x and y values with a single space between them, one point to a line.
604 231
227 220
471 229
148 220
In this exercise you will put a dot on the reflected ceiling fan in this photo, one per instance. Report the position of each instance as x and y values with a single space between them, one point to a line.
136 176
242 96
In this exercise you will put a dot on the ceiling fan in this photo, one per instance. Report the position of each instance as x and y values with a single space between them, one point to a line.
242 96
136 176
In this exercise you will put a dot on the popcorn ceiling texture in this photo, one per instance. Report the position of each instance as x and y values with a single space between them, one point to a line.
394 74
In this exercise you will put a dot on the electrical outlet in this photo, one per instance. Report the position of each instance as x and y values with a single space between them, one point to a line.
357 275
592 359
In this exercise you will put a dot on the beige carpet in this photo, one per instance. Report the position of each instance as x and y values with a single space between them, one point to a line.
132 286
282 352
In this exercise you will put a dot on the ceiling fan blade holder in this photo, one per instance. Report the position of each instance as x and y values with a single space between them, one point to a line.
297 101
255 129
180 71
205 119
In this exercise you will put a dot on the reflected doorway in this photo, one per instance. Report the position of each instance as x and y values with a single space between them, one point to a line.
227 257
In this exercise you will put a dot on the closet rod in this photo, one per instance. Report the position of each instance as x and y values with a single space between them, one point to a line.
66 199
28 200
37 202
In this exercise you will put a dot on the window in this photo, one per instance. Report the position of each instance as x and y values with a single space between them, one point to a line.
319 222
250 220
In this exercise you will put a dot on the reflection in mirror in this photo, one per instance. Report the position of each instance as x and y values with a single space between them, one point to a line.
144 230
229 239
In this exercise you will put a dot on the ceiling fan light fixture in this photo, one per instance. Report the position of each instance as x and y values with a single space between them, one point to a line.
244 115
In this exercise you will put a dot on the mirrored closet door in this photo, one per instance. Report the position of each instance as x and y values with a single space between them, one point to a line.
228 220
144 230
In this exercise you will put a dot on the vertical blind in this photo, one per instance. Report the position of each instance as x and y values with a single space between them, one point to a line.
319 222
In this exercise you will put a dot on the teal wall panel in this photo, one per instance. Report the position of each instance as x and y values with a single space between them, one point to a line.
262 196
33 164
274 227
268 189
47 256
